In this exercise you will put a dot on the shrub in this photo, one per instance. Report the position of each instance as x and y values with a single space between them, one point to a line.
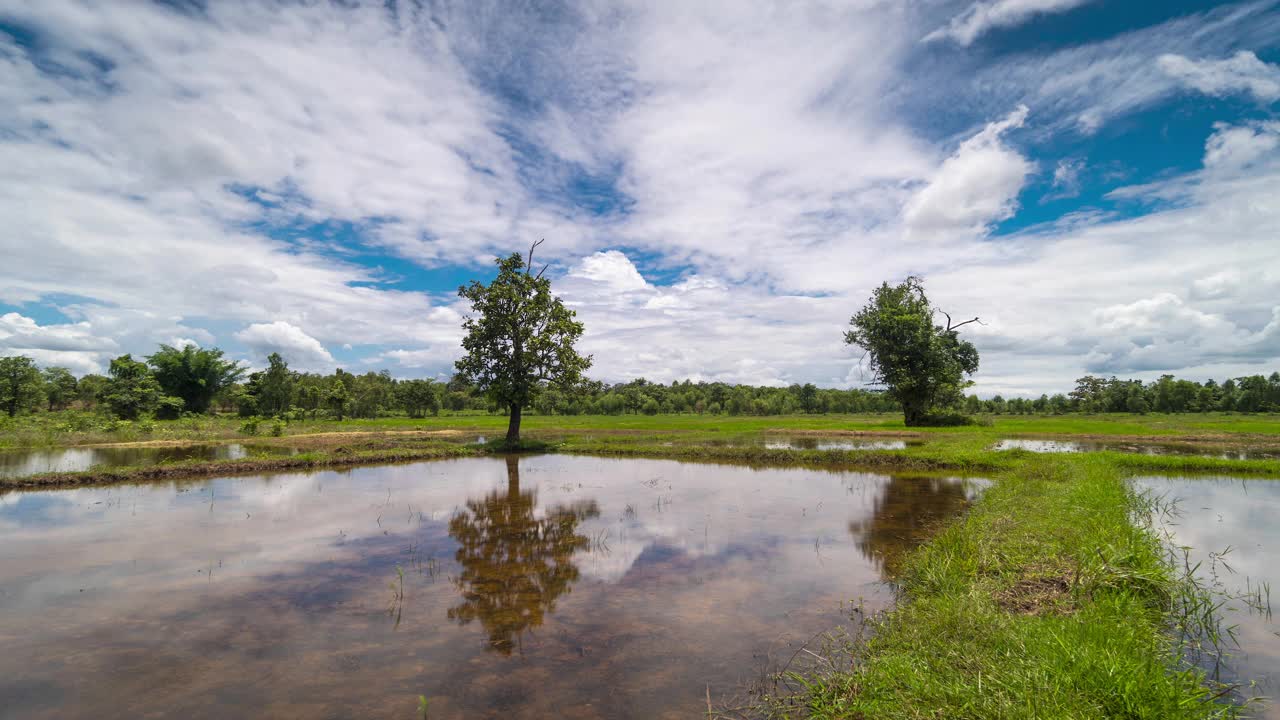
277 428
946 418
250 426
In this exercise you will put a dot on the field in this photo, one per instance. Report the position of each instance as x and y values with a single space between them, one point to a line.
1053 598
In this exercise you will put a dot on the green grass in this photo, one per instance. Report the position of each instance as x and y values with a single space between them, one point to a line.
1047 601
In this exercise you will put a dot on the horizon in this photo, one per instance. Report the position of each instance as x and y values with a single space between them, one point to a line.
720 187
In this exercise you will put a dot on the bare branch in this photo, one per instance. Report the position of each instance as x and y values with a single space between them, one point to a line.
529 265
544 269
951 327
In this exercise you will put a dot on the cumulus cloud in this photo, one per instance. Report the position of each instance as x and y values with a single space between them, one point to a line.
1235 148
297 347
1240 73
72 345
983 17
975 187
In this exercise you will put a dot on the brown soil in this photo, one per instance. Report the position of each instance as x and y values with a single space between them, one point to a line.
1037 593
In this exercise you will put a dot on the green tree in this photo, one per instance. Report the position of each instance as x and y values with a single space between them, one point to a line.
90 390
20 384
337 398
923 365
418 397
272 389
131 390
195 375
59 387
519 337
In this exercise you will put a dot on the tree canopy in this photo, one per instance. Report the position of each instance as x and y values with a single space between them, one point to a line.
519 337
194 375
20 384
923 365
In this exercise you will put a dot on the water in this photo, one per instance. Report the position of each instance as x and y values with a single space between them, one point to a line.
1220 513
1074 446
811 443
17 463
552 586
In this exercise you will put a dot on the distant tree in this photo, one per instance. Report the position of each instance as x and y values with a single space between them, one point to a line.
90 390
193 374
337 398
922 365
272 389
519 337
418 397
132 390
59 387
20 384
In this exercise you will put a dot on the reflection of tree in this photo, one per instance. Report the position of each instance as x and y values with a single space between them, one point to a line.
514 565
906 512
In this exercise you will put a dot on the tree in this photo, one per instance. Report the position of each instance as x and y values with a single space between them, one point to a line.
20 384
132 390
272 389
91 389
519 337
418 397
193 374
337 398
923 365
59 387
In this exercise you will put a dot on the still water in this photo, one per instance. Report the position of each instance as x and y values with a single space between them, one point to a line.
17 463
1241 518
1075 446
548 586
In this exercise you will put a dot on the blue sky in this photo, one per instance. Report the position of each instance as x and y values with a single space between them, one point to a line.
720 185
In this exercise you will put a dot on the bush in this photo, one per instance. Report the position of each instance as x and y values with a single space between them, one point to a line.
147 426
945 418
277 428
169 408
250 426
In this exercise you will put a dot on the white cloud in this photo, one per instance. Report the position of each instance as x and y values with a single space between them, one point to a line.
298 348
975 187
1236 148
1240 73
982 17
72 345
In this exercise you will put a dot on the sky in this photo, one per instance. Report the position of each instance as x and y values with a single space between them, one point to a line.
720 184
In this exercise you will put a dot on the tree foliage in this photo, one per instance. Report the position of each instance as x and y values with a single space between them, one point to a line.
59 387
194 375
923 365
518 338
20 384
132 391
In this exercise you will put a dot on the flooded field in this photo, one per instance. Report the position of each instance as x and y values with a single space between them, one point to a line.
17 463
1238 521
548 586
1074 446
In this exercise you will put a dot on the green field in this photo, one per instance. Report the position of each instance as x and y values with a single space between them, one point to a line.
1052 598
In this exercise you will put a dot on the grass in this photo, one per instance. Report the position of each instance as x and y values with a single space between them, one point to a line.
1051 599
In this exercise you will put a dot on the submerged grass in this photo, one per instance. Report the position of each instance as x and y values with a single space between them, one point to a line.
1052 598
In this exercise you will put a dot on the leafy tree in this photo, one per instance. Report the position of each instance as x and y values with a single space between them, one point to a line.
923 365
90 390
272 389
193 374
519 337
20 384
418 397
132 390
337 398
59 387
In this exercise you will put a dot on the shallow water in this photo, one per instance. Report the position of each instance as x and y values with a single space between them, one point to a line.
551 586
811 443
17 463
1075 446
1214 514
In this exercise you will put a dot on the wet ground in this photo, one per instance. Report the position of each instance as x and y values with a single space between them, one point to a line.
17 463
1074 446
1233 529
549 586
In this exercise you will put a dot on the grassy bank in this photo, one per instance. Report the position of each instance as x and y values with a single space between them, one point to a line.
1051 599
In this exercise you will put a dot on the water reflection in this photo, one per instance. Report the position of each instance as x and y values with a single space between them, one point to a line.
1076 446
515 565
594 587
906 513
19 463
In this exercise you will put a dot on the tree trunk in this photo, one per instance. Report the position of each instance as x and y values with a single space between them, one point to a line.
913 413
513 426
513 477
